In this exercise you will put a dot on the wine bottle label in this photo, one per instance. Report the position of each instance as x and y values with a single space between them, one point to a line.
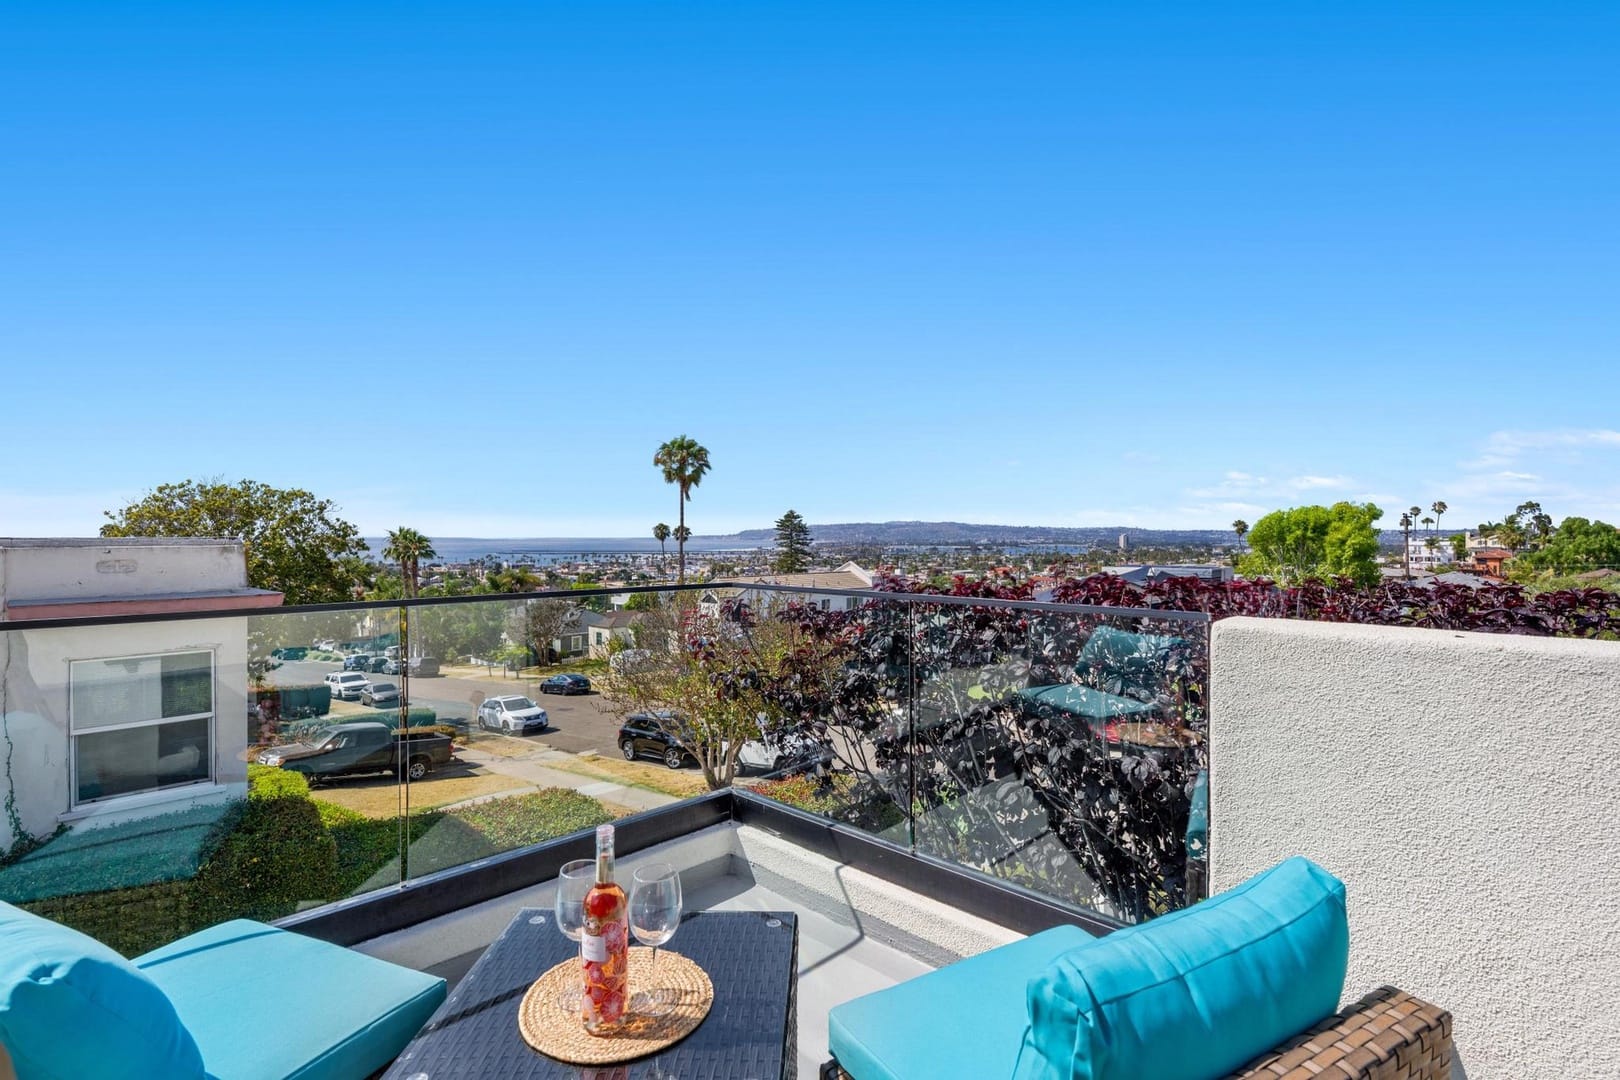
592 949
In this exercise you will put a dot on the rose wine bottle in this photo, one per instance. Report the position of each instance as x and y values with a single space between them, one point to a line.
604 947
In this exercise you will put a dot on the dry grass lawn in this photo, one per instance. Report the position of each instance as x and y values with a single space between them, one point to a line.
380 798
681 783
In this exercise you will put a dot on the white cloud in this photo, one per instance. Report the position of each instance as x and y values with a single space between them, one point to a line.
1503 448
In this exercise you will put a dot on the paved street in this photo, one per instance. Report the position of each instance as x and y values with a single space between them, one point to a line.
578 723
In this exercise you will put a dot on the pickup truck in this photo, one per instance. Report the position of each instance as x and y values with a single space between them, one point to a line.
362 747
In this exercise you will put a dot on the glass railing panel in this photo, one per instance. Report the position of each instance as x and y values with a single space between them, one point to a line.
329 707
1108 739
844 710
514 741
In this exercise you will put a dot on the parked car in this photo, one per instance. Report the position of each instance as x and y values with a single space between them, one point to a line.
362 747
357 662
784 752
566 684
649 735
392 652
514 714
391 667
424 666
348 685
377 664
379 695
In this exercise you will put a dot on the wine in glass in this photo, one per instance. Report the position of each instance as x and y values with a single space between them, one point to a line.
574 880
655 914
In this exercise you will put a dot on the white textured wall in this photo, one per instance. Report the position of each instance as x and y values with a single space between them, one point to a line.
34 693
81 569
1465 788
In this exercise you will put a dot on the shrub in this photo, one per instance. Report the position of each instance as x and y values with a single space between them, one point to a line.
520 820
275 854
269 782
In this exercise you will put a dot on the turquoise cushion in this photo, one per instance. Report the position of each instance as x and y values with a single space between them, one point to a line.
1084 702
265 1004
72 1009
1197 993
966 1019
1126 663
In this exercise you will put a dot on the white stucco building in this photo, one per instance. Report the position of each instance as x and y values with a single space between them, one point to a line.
105 722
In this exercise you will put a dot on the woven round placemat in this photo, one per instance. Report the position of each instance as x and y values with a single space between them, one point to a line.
558 1034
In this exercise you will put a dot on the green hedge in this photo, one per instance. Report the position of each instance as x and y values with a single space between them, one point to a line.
262 858
278 855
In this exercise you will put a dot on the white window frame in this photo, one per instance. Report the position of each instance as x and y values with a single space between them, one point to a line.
212 716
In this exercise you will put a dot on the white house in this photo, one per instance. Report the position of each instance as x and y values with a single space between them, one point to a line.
851 575
602 630
109 722
1417 548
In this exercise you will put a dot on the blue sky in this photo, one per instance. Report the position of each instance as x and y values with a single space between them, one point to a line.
464 266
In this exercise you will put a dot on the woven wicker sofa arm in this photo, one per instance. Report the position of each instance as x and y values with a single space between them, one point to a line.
1387 1035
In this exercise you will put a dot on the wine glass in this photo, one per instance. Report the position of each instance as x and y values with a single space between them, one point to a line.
655 914
574 880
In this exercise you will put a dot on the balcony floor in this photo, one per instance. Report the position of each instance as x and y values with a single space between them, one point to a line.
857 933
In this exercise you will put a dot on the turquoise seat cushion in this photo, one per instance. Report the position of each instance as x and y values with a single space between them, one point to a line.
342 1014
73 1009
1084 702
966 1019
1126 663
1195 994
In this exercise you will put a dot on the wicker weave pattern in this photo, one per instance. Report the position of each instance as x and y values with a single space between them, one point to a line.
1387 1035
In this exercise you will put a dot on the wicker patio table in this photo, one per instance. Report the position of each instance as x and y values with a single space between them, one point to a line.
750 1033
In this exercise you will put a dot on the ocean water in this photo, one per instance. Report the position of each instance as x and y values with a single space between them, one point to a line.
558 549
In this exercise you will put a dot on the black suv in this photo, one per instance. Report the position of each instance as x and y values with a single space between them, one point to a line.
644 735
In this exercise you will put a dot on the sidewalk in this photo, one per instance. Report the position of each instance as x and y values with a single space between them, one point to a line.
533 770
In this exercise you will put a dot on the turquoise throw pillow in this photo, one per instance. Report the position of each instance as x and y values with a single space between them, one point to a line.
72 1009
1195 994
1123 662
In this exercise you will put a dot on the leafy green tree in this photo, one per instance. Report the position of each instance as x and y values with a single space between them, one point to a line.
1316 542
642 601
1459 546
685 464
409 548
792 544
296 544
513 579
1577 546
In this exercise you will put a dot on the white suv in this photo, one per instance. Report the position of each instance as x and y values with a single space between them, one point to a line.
348 685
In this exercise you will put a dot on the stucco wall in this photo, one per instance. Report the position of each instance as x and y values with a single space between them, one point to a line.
78 569
34 715
1463 787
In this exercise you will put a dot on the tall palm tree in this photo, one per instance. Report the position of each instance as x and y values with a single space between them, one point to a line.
1240 527
408 548
661 534
1438 507
685 464
1406 542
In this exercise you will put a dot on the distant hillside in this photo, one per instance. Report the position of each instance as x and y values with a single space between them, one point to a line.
956 534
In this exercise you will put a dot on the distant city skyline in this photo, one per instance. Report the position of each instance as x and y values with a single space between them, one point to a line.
464 270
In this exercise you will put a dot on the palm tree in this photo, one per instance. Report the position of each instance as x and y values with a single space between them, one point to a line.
1406 542
1428 523
408 548
1240 527
661 534
685 463
1438 507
